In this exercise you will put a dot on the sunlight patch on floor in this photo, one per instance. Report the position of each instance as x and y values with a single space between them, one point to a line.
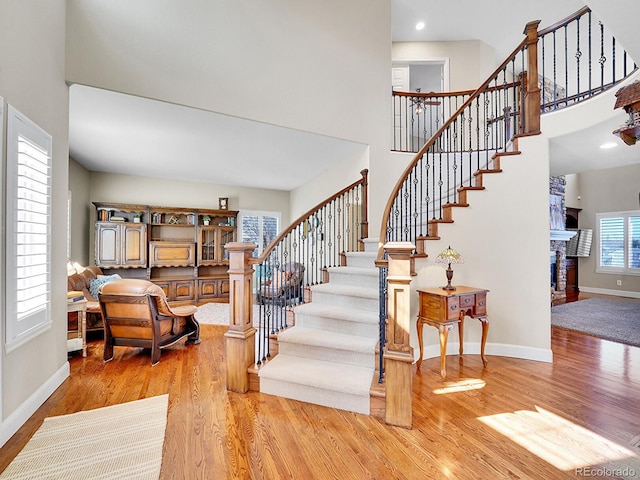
558 441
460 386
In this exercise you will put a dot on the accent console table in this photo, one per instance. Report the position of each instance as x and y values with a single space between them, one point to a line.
444 308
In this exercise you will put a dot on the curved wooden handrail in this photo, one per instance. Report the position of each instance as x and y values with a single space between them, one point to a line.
363 181
476 93
563 22
459 93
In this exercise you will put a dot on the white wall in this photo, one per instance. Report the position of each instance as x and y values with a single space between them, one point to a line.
32 43
81 207
301 64
333 180
321 67
608 190
503 239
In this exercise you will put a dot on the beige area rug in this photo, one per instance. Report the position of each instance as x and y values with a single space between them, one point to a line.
121 442
218 314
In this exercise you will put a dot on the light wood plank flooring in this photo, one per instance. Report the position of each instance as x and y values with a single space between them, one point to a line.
514 419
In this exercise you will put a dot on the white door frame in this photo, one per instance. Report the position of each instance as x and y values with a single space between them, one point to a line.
444 61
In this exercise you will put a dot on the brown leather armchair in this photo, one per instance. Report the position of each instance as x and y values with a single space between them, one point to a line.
136 313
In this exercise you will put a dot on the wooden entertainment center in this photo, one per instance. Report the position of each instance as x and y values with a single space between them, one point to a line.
179 249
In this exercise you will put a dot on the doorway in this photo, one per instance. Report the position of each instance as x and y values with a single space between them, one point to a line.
414 119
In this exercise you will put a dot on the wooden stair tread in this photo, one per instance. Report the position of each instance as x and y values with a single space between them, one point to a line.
490 170
470 188
502 154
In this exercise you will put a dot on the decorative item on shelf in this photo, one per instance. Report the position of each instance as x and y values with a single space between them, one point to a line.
223 203
191 218
156 217
449 256
173 220
206 219
137 217
117 218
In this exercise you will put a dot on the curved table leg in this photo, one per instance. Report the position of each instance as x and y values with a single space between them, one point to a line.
461 331
419 325
444 334
484 320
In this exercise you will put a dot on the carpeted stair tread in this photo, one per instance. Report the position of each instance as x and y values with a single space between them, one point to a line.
327 339
350 290
338 313
369 272
320 374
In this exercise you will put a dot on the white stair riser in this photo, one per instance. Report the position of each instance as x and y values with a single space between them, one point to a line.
327 354
317 396
338 278
361 260
363 303
371 245
337 325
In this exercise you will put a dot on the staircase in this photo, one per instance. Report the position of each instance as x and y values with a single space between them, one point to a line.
329 357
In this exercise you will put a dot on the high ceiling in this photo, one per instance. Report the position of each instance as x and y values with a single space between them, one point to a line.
119 133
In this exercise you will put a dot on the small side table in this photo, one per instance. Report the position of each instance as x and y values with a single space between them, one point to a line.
444 308
77 340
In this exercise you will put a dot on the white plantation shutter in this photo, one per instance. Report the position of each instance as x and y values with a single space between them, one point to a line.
28 237
259 228
618 243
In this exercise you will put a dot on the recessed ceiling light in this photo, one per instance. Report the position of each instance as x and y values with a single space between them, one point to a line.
606 146
419 25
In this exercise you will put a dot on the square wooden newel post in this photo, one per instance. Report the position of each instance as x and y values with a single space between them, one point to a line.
240 338
398 354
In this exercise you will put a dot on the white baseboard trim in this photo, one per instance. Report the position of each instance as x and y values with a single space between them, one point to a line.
19 417
497 349
606 291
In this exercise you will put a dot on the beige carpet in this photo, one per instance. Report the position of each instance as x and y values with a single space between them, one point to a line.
218 314
121 442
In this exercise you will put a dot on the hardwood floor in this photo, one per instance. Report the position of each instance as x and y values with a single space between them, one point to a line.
514 419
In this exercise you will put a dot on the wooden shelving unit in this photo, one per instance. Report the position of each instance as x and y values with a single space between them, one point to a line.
173 248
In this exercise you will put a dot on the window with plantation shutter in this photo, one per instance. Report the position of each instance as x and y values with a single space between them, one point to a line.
618 243
28 230
259 228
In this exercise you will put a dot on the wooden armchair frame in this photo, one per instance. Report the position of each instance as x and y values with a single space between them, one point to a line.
136 313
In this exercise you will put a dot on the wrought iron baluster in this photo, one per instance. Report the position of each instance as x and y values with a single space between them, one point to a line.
602 60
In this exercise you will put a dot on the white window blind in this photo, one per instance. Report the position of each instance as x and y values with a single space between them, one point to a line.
260 228
28 230
618 242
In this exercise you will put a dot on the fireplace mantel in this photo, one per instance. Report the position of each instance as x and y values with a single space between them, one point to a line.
562 235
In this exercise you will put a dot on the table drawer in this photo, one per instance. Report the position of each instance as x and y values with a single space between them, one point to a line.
481 304
467 302
453 308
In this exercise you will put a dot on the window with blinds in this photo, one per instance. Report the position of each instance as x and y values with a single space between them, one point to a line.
618 242
28 229
259 228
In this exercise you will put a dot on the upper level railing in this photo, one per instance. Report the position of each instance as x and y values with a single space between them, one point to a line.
300 255
417 116
576 59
